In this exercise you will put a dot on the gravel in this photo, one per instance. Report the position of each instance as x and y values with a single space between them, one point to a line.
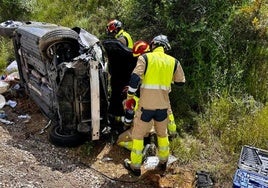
28 159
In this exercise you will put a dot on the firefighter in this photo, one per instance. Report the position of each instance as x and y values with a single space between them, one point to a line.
119 71
125 139
114 28
155 70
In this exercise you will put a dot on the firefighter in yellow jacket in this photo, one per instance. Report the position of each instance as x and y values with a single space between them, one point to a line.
125 139
155 70
114 28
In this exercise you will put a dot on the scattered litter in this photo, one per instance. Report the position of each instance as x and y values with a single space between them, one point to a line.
6 121
3 86
11 103
3 114
13 76
106 159
13 66
3 77
26 116
2 101
171 159
16 86
106 130
43 130
152 161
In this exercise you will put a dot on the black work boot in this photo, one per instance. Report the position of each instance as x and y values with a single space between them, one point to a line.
162 166
136 172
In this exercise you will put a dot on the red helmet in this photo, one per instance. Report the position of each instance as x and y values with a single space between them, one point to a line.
113 26
140 47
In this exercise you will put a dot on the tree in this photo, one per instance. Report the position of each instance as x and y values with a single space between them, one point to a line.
14 10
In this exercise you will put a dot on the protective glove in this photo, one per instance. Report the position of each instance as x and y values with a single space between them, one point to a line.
129 105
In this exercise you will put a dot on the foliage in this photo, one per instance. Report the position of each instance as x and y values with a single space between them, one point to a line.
11 10
5 55
228 124
202 37
140 17
91 15
202 45
86 149
14 9
205 156
249 44
249 130
186 149
235 122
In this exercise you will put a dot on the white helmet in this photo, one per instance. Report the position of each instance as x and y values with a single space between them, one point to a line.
161 40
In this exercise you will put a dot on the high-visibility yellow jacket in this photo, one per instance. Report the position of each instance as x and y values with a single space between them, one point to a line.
126 36
156 70
157 62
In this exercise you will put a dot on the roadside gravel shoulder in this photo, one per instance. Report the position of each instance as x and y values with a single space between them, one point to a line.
28 159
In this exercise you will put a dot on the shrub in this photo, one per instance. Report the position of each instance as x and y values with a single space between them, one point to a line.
5 55
234 122
249 130
186 149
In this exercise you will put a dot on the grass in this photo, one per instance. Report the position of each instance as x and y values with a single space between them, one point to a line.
5 55
227 124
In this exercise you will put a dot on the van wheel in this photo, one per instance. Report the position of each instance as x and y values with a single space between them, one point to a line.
59 41
63 139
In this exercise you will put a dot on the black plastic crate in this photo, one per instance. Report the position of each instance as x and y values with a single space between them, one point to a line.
203 180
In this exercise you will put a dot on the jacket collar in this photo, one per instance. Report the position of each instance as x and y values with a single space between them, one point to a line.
159 49
119 33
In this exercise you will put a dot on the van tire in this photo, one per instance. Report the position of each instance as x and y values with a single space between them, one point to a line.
55 37
65 140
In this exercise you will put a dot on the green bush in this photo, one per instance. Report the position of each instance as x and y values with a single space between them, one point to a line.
248 46
92 15
249 130
186 149
14 9
234 122
5 54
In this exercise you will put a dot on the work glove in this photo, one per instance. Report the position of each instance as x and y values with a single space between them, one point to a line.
129 105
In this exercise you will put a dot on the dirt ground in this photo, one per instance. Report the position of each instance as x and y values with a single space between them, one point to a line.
28 159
